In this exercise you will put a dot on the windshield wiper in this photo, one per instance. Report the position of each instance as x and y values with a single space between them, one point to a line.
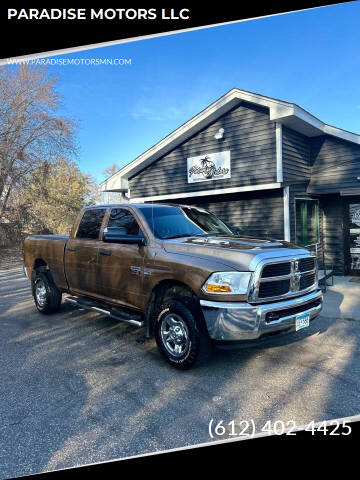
215 234
209 234
223 235
180 235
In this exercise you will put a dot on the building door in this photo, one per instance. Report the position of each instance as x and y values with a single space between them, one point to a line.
353 234
307 231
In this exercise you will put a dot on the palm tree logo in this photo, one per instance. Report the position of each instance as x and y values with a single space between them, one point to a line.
208 167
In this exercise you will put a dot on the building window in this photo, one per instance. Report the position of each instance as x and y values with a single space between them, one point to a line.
307 222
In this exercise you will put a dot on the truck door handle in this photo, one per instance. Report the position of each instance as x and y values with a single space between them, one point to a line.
71 249
104 252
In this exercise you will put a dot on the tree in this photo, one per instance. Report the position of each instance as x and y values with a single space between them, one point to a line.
109 171
31 134
53 196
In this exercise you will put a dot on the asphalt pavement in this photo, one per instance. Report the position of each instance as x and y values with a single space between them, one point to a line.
78 387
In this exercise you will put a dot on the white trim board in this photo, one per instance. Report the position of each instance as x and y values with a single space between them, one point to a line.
349 192
286 214
279 157
203 193
282 112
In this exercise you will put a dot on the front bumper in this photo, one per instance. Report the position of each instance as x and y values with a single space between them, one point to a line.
229 322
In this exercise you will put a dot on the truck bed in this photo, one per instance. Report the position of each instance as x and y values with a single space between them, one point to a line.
50 249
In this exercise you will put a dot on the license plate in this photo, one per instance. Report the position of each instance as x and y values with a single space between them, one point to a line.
302 321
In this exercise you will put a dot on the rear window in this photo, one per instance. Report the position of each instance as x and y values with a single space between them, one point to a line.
90 224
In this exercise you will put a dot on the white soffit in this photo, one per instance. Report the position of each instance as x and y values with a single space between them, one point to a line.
289 114
350 191
115 183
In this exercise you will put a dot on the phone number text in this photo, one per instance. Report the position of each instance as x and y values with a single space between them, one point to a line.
248 428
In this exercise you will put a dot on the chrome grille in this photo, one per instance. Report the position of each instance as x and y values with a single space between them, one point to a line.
306 264
307 280
277 280
276 269
275 288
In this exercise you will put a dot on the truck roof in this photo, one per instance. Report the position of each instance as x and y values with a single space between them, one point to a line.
142 205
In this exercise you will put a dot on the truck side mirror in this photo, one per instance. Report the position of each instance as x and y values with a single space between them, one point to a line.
118 235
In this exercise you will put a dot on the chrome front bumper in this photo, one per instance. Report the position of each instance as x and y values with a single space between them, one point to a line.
242 321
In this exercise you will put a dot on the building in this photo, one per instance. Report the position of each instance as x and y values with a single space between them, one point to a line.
264 165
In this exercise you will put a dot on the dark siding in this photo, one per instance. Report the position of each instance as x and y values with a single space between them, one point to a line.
259 214
250 137
336 165
296 156
333 227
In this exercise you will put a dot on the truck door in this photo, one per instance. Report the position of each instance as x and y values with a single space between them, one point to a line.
120 265
81 253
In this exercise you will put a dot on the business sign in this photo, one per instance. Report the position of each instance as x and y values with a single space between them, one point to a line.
212 166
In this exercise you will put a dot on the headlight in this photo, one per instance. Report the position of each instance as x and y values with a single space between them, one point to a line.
235 283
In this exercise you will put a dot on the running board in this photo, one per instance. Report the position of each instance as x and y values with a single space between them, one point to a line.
89 305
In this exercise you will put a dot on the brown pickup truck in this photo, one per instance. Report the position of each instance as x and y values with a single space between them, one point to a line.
179 271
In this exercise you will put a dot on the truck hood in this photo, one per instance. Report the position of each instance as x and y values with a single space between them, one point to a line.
239 253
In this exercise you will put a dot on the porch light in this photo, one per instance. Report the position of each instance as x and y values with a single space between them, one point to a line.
219 134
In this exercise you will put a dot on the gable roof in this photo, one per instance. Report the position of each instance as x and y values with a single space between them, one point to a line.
288 114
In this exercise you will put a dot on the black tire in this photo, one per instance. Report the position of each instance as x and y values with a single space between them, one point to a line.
193 343
46 296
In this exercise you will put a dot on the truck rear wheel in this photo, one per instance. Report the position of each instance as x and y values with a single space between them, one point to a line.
46 296
179 335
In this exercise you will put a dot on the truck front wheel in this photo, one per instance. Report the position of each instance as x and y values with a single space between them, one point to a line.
178 334
47 297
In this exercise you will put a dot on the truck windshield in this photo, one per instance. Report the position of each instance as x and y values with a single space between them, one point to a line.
172 221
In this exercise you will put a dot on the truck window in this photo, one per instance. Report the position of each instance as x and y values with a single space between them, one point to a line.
120 217
173 221
90 223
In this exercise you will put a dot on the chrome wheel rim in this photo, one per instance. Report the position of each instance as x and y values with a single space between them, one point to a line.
40 293
174 334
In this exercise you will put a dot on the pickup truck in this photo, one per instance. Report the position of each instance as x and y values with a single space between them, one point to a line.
188 278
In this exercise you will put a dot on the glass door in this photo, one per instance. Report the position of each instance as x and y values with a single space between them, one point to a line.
354 238
307 222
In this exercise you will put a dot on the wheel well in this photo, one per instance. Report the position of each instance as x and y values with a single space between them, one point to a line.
161 292
40 265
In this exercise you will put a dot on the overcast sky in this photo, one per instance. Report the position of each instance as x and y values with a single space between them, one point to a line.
311 58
